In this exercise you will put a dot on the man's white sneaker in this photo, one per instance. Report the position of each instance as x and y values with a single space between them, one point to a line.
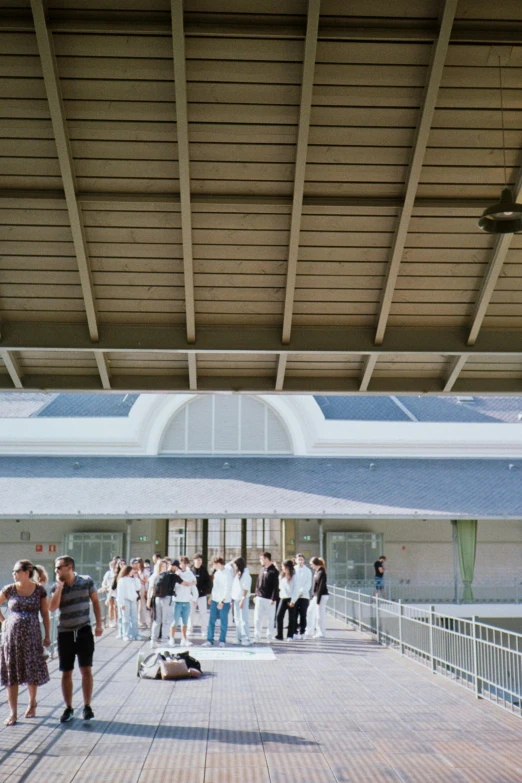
222 644
318 636
207 644
246 643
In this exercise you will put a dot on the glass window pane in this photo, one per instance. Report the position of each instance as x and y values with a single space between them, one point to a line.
215 539
232 539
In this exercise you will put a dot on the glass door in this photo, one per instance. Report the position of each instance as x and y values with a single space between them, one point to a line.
92 552
350 556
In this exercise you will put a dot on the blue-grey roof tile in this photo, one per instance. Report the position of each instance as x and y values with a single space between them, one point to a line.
292 486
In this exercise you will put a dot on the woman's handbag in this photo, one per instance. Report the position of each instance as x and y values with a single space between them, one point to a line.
174 670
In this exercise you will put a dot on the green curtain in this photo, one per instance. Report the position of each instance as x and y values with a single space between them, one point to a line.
467 544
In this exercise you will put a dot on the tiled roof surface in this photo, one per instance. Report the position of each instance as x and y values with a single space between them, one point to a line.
477 410
24 405
15 405
160 486
89 406
364 408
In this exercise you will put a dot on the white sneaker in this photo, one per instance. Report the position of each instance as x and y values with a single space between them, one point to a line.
171 643
207 644
318 636
186 643
246 643
222 644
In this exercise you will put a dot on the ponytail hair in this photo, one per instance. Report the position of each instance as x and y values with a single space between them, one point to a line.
41 575
318 561
36 572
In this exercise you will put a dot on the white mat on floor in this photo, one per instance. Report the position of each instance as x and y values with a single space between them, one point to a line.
225 653
218 653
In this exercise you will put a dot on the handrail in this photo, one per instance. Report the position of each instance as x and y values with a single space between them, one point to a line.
481 657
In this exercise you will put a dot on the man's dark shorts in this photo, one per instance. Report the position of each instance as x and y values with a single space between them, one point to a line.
72 644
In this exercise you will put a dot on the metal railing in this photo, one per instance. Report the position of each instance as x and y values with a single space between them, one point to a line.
433 592
482 658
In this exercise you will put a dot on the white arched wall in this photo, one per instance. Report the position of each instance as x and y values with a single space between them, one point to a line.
172 406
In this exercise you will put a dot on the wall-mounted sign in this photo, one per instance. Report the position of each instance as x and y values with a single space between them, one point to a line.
38 548
25 535
143 538
52 547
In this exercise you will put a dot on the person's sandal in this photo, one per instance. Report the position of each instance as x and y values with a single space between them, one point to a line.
31 710
11 720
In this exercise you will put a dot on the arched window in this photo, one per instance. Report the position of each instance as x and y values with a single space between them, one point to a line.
226 424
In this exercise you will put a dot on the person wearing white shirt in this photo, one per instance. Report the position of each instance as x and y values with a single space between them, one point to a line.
127 600
106 587
219 601
241 587
304 577
288 595
183 597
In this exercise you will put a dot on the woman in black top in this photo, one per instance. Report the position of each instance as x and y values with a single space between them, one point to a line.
319 596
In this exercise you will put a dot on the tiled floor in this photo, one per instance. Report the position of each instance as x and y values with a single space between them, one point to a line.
340 710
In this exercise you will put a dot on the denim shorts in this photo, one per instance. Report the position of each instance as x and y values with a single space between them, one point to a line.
181 612
379 583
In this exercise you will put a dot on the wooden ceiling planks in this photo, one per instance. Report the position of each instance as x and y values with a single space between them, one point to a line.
115 67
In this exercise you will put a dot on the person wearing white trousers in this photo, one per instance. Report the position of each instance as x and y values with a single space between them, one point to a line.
241 587
199 604
319 598
127 600
267 593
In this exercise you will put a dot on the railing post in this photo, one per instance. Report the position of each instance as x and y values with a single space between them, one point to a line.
360 611
401 610
432 659
377 631
478 685
345 604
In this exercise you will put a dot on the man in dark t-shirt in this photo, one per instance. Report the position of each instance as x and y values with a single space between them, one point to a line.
380 568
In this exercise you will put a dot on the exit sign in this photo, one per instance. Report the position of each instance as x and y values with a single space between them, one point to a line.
307 538
143 538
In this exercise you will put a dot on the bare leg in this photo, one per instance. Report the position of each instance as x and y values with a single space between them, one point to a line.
184 632
31 709
87 683
12 698
67 688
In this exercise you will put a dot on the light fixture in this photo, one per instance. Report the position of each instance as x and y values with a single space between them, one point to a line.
504 217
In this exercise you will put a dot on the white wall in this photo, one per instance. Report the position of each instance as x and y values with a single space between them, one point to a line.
423 551
52 532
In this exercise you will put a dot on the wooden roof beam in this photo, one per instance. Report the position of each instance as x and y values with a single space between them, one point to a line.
180 86
281 369
65 159
193 371
455 368
13 368
173 200
303 132
419 149
496 262
336 340
368 368
423 32
103 369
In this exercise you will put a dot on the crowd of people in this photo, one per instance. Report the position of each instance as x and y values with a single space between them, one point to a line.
157 598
